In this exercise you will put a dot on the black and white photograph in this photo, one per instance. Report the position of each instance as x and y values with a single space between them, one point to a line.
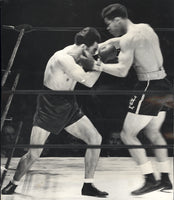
87 99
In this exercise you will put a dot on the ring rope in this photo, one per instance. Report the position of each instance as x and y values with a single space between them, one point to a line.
88 92
28 28
9 119
4 114
10 63
82 146
11 152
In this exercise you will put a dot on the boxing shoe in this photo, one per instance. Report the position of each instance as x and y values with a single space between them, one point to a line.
165 183
9 189
165 186
90 190
150 185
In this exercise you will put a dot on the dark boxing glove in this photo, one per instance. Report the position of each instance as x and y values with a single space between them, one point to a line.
108 54
86 61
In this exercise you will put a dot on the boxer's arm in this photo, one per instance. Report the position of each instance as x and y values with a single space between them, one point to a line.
76 72
125 60
113 41
91 78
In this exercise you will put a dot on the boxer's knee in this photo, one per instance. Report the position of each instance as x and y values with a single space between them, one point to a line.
95 138
153 135
124 137
99 139
127 137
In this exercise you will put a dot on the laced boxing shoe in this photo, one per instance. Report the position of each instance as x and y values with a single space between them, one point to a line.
90 190
150 185
9 189
165 183
165 186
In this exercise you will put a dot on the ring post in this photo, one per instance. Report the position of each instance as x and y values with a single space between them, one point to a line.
10 63
9 101
11 152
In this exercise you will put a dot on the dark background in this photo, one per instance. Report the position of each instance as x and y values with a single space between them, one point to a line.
106 112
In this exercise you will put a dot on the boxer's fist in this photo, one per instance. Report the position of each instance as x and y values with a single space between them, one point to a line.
108 54
86 61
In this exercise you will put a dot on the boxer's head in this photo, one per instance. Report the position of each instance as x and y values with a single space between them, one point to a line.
88 38
115 17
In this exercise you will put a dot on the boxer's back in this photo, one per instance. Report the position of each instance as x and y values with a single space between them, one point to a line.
147 55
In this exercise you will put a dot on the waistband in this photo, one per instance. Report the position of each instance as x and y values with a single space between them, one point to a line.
155 75
67 96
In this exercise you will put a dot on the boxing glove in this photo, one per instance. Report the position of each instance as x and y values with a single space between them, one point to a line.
108 54
86 61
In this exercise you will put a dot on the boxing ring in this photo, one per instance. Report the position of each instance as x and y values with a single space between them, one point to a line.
61 178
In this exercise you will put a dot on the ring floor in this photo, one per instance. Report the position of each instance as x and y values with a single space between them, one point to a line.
52 178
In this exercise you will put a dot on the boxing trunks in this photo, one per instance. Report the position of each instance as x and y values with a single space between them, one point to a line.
55 112
150 104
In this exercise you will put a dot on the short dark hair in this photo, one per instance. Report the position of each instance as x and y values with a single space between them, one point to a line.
87 36
114 10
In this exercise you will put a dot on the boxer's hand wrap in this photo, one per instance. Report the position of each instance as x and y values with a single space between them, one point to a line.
86 61
108 54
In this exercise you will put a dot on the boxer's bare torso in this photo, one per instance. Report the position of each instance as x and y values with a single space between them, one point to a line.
147 53
55 77
62 72
140 48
